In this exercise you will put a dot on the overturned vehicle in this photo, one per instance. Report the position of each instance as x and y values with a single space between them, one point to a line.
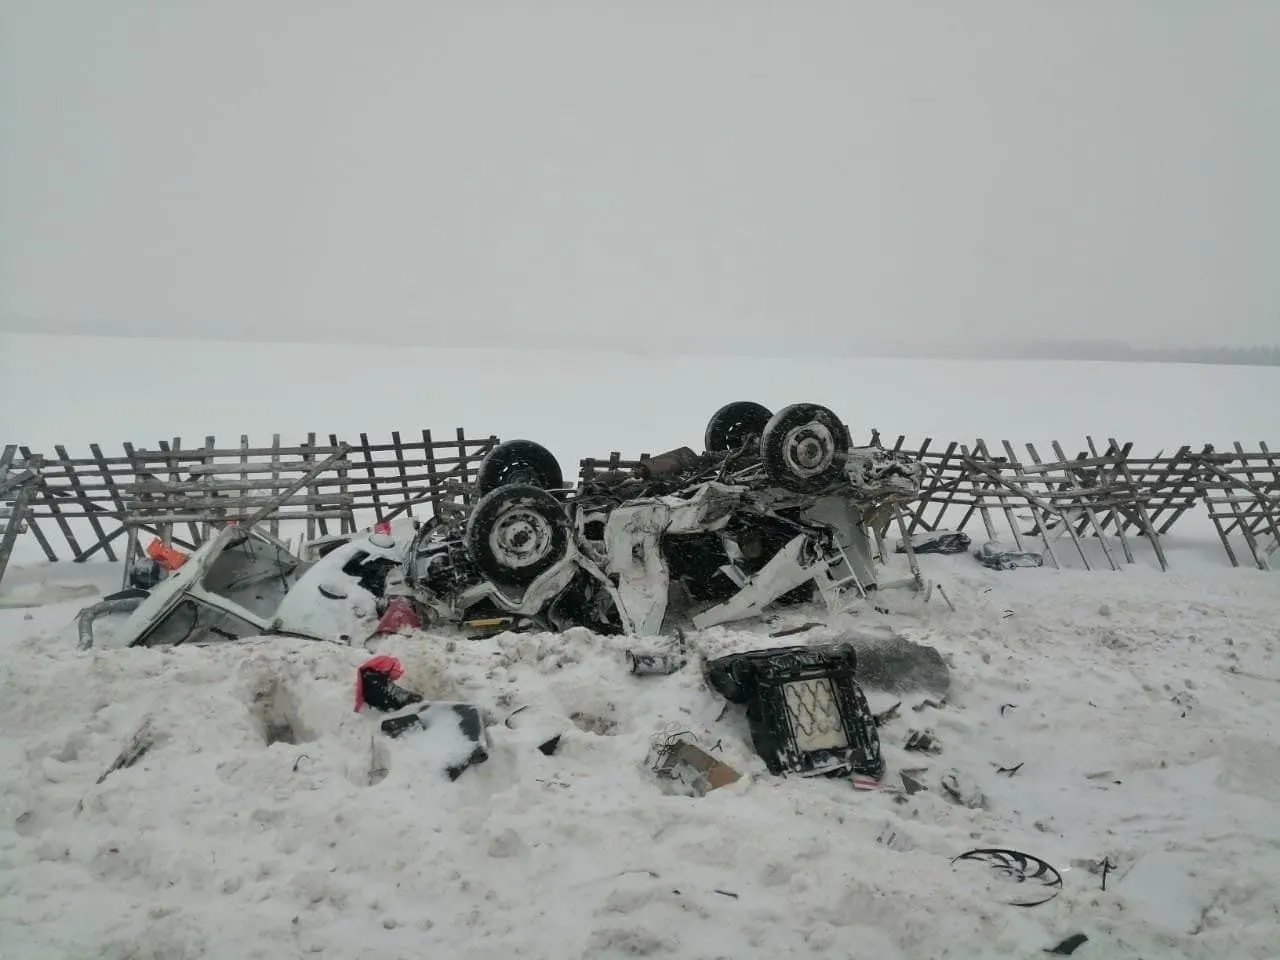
778 509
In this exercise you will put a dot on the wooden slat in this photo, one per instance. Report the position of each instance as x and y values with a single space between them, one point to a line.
929 494
433 478
367 450
55 512
1125 492
1054 511
404 481
1025 481
1083 502
1143 519
94 522
347 524
1002 496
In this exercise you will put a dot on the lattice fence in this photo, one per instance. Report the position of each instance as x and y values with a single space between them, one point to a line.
1104 495
85 505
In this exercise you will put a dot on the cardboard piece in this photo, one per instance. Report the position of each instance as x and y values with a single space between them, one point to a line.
693 771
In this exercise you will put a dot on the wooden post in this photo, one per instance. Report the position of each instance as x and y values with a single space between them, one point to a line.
1275 480
1081 495
981 448
108 479
928 494
210 444
308 457
433 477
313 488
55 508
1052 509
1139 506
1025 481
275 475
83 500
373 477
404 477
20 488
348 522
1108 478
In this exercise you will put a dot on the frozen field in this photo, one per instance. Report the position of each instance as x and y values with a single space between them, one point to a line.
1139 709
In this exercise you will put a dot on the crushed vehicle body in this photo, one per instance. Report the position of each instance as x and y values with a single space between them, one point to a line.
244 582
777 510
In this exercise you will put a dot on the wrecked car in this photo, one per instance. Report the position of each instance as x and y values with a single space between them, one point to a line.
778 509
243 582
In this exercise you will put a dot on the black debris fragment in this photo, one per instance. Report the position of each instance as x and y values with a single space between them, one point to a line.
376 685
884 716
466 717
1069 946
963 790
922 741
936 541
655 663
1007 706
544 730
897 665
995 556
1009 771
1032 881
1107 867
792 631
936 704
911 782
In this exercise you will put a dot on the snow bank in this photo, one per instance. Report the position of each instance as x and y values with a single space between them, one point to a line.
270 820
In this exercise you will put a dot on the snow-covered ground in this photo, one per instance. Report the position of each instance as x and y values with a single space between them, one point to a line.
1142 725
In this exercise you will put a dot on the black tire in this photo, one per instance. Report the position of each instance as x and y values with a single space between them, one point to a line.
734 424
519 461
803 447
517 533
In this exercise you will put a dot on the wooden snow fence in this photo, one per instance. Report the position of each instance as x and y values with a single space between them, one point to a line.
180 494
1104 495
1242 491
17 485
1040 499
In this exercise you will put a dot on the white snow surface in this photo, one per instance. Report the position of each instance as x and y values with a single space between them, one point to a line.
1144 717
1144 722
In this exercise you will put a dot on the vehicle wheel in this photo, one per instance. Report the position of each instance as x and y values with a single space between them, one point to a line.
517 533
803 447
519 461
734 424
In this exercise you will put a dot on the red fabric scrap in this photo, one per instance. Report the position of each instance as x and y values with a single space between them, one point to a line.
398 616
379 664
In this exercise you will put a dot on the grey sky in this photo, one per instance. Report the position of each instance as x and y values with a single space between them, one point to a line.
483 171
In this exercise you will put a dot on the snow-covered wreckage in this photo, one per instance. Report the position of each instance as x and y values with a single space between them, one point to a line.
778 509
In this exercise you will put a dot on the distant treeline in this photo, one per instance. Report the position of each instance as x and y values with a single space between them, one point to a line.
1109 350
1103 350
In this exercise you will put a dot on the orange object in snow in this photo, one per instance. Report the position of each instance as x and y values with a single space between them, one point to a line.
167 557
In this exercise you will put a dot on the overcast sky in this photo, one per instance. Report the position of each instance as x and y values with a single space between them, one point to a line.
475 171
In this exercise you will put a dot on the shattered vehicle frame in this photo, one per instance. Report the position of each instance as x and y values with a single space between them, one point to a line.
778 507
777 510
244 582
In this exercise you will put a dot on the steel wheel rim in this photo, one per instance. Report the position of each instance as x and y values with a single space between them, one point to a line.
520 537
809 450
